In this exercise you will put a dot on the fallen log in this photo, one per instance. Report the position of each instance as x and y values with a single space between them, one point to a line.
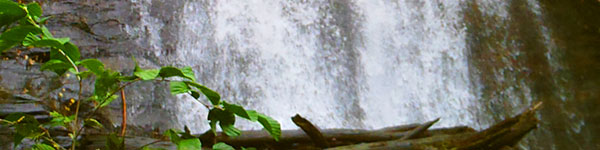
500 136
335 137
292 139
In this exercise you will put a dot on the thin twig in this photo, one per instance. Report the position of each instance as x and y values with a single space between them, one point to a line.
75 122
110 95
124 123
76 133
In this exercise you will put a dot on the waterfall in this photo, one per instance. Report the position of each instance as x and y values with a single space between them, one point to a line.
350 64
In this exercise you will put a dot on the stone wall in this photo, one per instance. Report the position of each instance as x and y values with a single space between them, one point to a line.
112 31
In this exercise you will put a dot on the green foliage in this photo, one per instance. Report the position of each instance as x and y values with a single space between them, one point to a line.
10 12
94 65
16 35
184 142
91 122
271 125
26 126
59 119
57 66
23 26
149 74
222 146
226 119
189 144
213 96
179 87
42 147
114 142
240 111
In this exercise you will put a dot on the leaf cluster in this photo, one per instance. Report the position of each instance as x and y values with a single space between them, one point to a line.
22 25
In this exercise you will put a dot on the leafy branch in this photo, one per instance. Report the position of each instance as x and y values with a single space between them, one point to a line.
23 25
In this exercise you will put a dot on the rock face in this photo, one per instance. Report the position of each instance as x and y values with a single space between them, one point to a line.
111 31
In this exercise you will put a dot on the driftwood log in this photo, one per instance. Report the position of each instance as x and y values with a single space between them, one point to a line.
502 135
499 136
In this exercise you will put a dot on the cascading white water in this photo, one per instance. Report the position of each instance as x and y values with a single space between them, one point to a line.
351 64
415 63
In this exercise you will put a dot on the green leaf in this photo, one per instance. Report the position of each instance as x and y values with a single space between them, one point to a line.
19 33
49 43
167 71
91 122
15 35
271 125
34 9
249 148
107 101
72 51
94 65
59 119
113 142
173 135
30 39
195 94
213 96
189 144
41 146
149 74
240 111
42 19
46 33
84 74
106 82
225 119
29 130
20 117
189 73
10 12
17 139
63 40
57 66
68 48
222 146
229 129
178 87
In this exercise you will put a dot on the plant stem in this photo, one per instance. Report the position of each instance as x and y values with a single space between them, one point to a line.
110 95
124 123
9 122
75 122
76 132
49 138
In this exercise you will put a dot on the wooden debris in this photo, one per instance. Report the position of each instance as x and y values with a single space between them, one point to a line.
312 131
503 135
